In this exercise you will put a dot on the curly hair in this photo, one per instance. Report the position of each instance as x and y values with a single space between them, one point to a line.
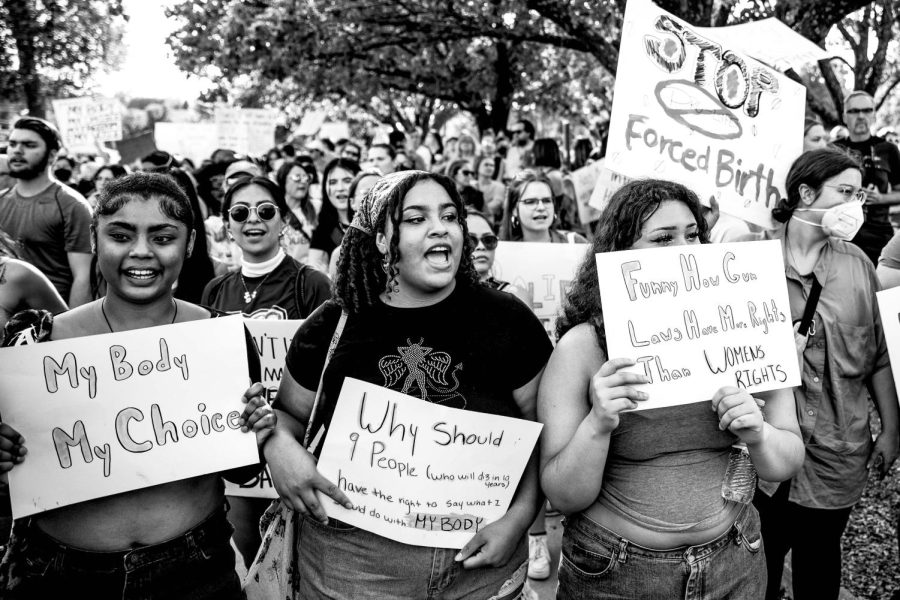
511 228
812 168
620 227
362 275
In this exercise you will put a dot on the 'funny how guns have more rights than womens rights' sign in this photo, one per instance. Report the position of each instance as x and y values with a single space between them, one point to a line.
698 318
690 108
117 412
421 473
272 339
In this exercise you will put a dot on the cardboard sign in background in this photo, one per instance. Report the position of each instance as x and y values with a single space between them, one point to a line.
84 122
271 338
700 317
546 270
112 413
418 472
889 307
690 108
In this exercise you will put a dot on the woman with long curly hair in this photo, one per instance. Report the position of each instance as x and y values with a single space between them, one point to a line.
646 517
406 273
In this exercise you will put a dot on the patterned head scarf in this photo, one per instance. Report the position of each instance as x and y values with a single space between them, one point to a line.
375 200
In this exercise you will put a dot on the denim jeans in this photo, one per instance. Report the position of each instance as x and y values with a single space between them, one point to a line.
342 562
199 564
598 564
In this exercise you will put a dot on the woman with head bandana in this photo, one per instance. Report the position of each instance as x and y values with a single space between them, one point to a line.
406 277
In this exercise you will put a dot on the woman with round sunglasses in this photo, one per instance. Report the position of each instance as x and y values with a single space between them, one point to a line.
335 214
843 362
164 541
530 212
296 180
269 285
406 274
484 245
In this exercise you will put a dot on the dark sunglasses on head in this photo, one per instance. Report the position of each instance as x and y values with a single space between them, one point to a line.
266 211
489 240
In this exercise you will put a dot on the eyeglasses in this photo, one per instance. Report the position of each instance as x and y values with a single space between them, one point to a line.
489 240
468 173
860 111
849 192
300 178
266 211
533 202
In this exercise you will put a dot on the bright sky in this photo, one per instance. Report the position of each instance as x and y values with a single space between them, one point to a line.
148 69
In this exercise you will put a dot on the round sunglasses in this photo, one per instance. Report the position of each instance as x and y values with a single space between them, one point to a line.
266 211
489 240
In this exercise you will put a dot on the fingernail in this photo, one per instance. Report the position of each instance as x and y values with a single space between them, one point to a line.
458 557
348 505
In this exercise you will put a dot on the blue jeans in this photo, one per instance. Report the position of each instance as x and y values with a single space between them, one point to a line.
199 564
342 562
598 564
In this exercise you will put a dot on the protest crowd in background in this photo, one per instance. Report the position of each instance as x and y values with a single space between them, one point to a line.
464 268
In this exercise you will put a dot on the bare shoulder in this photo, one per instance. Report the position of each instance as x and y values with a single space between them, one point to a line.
19 272
190 312
78 322
579 349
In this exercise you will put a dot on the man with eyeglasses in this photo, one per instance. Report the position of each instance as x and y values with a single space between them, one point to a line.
881 172
519 156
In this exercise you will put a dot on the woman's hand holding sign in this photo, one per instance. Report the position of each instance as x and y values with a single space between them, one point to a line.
258 415
739 413
12 448
611 392
297 481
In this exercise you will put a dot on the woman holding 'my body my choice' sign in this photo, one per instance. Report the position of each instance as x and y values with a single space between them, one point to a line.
648 516
416 322
169 540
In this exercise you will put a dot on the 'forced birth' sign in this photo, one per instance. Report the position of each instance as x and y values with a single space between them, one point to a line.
112 413
701 317
421 473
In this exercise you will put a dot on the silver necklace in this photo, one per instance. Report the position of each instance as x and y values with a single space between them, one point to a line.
251 296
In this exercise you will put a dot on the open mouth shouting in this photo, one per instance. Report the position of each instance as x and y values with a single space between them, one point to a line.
439 256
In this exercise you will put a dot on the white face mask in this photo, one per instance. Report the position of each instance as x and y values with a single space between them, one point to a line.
842 221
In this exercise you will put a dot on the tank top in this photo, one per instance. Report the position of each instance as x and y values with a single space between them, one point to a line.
665 469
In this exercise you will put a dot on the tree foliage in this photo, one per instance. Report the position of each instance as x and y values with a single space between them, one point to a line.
54 47
413 55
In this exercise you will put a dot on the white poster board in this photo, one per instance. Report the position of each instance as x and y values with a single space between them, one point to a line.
772 42
889 307
421 473
271 338
196 141
608 183
689 107
698 318
246 130
584 180
112 413
545 270
85 122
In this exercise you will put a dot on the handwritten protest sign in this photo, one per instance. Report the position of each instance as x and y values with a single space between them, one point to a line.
118 412
421 473
246 130
889 306
196 141
689 107
584 180
697 318
545 270
608 183
83 122
271 338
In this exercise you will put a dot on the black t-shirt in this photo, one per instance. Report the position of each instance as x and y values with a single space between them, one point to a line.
326 238
881 162
275 296
469 351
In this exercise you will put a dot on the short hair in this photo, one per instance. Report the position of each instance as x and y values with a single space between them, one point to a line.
160 159
620 227
43 128
857 94
811 168
546 153
173 202
528 126
387 148
263 182
361 275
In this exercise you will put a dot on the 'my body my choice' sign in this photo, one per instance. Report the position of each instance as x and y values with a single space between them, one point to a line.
690 108
421 473
698 318
112 413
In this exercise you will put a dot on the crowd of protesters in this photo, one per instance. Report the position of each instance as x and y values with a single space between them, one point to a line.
377 242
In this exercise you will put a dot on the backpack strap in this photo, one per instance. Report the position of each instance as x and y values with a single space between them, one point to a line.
299 282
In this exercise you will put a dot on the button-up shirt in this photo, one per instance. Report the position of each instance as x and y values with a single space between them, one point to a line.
845 347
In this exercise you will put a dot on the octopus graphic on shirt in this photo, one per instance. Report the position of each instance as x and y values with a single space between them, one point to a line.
424 374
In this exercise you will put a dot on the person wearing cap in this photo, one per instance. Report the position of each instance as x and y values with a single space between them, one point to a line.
50 222
238 170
